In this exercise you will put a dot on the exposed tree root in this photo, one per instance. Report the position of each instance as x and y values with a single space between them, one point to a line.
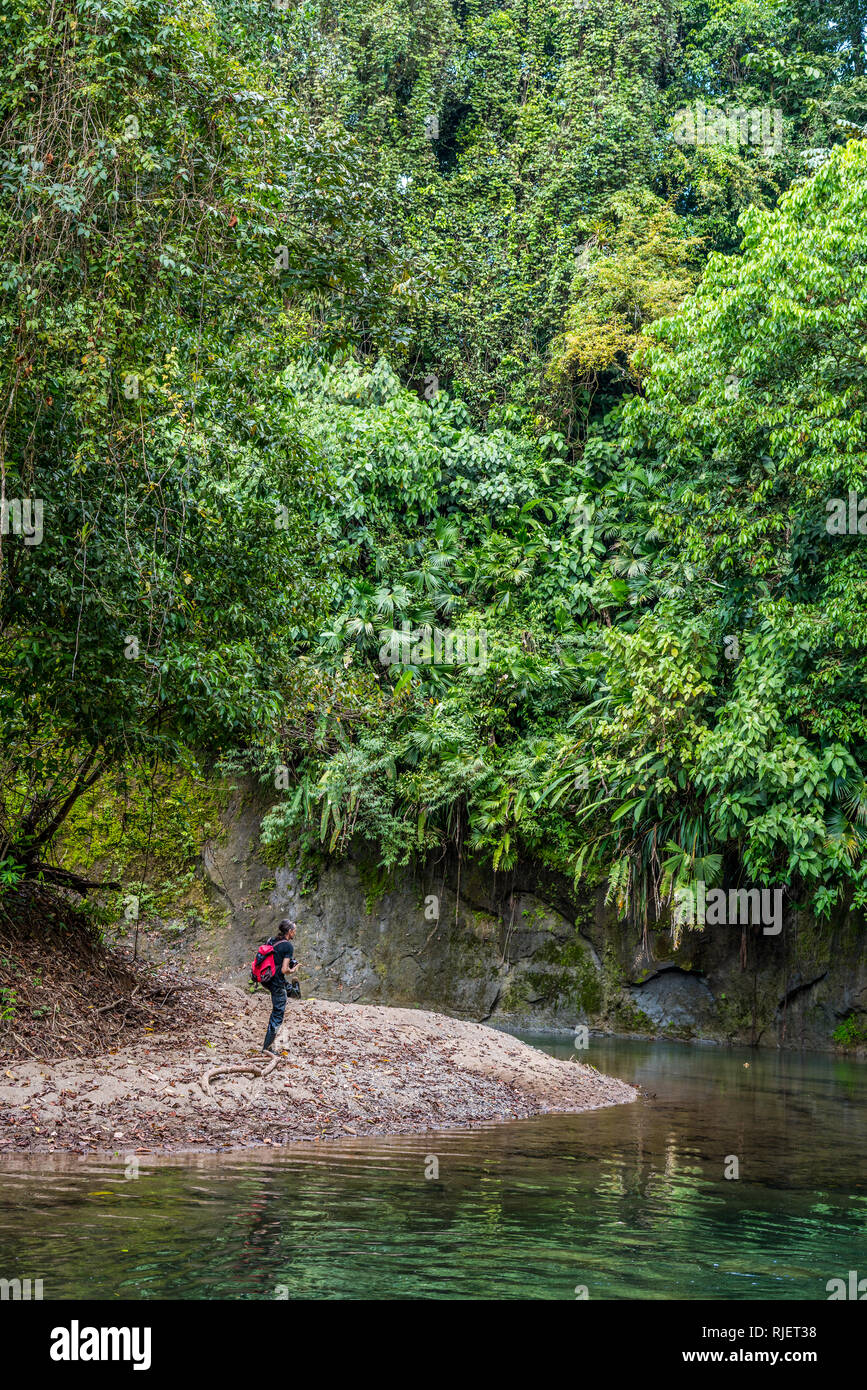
242 1069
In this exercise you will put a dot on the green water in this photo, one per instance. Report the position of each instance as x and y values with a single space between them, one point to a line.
629 1201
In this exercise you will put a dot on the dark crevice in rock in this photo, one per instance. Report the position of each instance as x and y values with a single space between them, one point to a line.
799 989
493 1007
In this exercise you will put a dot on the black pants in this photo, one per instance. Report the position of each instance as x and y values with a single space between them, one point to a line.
278 1008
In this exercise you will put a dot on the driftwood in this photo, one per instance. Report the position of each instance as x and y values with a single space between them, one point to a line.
240 1068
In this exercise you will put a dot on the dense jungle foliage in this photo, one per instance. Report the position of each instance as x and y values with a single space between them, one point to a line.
333 327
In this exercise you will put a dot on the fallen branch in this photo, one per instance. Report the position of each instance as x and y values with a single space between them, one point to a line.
22 1043
65 878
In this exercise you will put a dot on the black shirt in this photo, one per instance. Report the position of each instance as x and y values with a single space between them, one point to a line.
282 949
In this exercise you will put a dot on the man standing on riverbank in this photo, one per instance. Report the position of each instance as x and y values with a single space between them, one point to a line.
286 965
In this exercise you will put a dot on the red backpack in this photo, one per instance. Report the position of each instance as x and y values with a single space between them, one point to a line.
264 967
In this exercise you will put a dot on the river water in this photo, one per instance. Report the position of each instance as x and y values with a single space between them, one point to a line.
627 1202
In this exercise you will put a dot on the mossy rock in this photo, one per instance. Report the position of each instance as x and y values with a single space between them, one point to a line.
631 1019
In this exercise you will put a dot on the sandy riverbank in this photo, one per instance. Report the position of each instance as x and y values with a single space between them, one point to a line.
342 1069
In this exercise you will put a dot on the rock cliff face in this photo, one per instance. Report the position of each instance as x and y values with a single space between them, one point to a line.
523 950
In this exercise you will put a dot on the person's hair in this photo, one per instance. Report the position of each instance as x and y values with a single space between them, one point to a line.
285 926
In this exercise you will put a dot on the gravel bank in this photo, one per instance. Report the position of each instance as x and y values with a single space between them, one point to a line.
342 1069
